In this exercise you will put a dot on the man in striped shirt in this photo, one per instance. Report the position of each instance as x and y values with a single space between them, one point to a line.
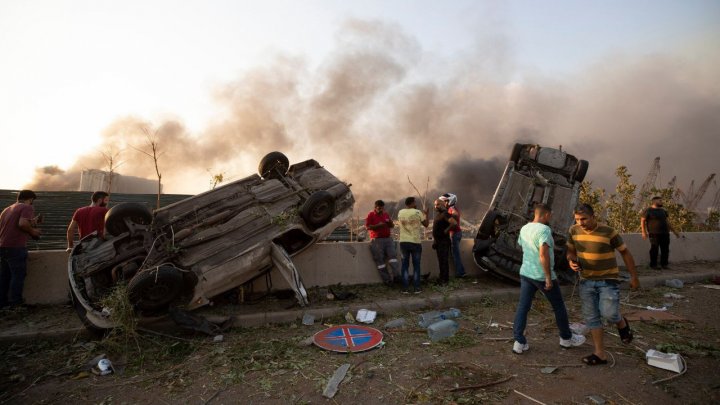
591 251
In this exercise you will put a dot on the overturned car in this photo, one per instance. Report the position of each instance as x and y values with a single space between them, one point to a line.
533 174
190 251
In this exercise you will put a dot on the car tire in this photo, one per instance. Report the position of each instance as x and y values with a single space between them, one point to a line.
487 226
274 165
515 154
135 212
581 170
318 210
156 288
96 331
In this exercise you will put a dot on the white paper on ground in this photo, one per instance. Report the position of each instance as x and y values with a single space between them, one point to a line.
366 316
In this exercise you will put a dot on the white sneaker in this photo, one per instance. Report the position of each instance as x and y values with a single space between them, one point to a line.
575 340
519 348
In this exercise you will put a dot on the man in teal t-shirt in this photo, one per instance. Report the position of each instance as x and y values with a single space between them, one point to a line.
536 273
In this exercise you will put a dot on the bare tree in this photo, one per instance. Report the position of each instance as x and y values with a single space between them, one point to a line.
154 154
111 159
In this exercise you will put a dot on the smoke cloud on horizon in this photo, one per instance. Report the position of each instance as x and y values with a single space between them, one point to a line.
373 115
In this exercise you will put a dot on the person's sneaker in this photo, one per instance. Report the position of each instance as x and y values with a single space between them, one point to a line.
574 341
519 348
417 291
406 291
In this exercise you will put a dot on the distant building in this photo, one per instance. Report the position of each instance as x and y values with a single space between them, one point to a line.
94 180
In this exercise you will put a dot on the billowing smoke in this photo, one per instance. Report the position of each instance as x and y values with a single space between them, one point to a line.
376 113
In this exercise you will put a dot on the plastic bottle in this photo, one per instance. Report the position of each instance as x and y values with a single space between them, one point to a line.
442 329
428 318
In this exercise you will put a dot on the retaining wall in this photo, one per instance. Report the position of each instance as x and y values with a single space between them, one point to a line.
350 263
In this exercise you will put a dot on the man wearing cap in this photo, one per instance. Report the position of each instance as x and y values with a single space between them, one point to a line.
16 224
455 232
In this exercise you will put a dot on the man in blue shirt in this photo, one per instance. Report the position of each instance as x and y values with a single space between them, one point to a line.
536 273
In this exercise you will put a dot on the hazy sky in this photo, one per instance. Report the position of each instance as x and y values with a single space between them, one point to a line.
69 69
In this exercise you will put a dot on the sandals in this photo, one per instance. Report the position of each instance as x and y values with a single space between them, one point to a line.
626 334
593 360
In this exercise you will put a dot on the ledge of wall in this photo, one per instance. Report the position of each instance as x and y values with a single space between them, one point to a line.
350 263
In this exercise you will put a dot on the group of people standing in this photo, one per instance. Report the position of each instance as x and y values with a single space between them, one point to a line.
446 231
18 222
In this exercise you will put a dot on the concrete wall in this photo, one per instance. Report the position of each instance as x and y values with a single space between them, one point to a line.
350 263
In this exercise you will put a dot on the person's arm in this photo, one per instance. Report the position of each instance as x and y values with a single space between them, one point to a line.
425 222
545 262
25 225
389 222
630 265
643 227
71 230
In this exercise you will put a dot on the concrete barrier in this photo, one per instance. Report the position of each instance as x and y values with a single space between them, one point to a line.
350 263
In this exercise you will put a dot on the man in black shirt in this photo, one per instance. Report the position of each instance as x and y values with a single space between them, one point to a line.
654 223
441 240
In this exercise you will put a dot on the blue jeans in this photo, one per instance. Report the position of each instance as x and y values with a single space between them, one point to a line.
383 249
528 287
13 268
459 268
600 299
414 251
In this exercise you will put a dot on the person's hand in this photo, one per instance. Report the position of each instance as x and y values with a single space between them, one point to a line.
68 250
548 284
644 236
574 265
634 283
434 246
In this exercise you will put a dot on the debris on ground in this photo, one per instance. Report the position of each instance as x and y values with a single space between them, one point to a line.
308 319
596 399
674 283
366 316
674 296
395 323
548 370
667 361
711 286
218 338
442 330
649 315
332 385
349 317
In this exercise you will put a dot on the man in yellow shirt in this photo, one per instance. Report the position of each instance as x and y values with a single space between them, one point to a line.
411 219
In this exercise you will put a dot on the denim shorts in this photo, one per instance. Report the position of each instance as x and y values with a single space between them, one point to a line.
600 300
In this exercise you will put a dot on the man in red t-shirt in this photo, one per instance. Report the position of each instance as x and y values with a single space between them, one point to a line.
16 224
87 220
382 247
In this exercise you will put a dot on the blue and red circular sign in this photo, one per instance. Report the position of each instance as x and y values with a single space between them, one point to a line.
348 338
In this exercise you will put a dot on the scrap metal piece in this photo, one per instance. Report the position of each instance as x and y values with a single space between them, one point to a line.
332 385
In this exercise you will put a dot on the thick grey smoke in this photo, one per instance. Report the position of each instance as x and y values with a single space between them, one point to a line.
373 115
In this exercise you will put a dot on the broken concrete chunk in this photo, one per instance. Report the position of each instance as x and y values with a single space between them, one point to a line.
674 283
548 370
332 385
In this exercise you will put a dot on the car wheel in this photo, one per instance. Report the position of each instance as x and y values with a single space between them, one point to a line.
274 165
318 209
581 170
487 226
515 154
116 216
156 288
95 330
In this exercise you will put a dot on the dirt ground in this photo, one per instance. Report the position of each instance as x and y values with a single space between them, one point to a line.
270 365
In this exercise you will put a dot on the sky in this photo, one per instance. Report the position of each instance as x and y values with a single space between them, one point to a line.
371 89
